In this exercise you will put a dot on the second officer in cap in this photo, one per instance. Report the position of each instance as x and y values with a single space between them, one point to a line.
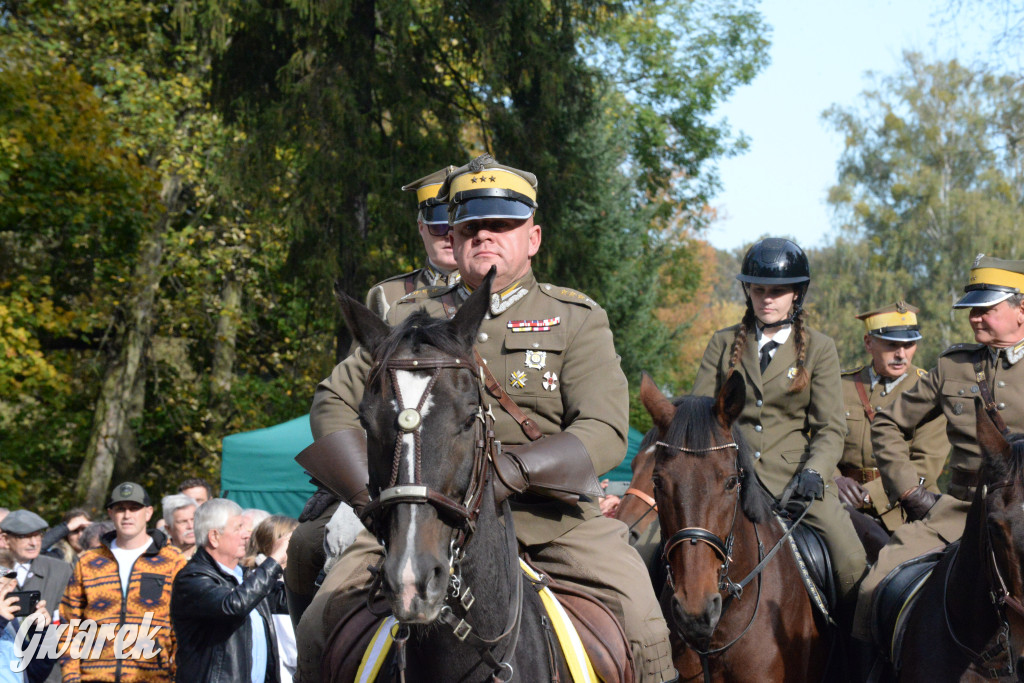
992 365
892 333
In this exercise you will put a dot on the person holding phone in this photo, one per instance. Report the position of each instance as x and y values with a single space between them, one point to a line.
23 530
15 606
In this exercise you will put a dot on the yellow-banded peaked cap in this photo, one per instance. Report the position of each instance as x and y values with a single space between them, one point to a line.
895 322
432 211
483 188
992 280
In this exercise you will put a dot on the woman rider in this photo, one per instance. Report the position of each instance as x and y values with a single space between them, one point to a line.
793 420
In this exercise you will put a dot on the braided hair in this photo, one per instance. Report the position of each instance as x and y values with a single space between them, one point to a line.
800 336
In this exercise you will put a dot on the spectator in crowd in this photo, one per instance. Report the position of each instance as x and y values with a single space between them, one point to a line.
197 489
92 534
254 516
260 545
39 667
64 540
222 612
23 530
3 513
179 515
126 581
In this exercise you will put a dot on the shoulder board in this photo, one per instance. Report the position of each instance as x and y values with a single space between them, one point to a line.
921 372
425 293
961 347
852 371
400 276
568 295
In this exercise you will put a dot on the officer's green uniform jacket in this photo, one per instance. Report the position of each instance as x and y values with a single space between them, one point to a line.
786 432
789 432
949 391
383 295
585 391
928 446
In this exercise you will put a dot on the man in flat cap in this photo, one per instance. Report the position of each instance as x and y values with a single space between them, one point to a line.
306 552
990 367
892 333
549 349
23 531
126 582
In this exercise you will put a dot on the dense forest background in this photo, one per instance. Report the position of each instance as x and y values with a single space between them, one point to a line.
181 182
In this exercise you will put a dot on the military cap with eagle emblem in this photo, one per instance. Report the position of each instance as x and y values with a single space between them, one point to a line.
431 211
483 188
992 280
896 322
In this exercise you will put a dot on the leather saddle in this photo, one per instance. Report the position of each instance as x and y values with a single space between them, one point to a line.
599 630
815 568
894 598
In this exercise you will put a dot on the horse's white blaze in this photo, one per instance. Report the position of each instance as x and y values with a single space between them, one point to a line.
411 385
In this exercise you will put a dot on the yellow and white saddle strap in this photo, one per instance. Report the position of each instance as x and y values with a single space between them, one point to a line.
572 647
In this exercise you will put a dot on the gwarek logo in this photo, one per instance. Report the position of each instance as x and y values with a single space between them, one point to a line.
85 639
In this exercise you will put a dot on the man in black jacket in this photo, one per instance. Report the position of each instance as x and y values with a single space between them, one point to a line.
222 612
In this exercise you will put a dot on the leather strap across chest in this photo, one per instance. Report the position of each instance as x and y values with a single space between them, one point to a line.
494 388
862 392
986 396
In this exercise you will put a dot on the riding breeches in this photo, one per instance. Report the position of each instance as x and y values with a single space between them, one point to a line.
593 556
943 524
849 560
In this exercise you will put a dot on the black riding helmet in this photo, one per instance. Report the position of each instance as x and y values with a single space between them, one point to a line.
776 261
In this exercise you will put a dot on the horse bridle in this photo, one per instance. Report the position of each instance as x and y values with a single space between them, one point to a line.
461 517
1002 599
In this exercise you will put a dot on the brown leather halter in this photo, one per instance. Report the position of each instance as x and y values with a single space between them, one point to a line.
1001 598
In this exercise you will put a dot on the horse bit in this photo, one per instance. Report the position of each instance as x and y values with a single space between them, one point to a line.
461 517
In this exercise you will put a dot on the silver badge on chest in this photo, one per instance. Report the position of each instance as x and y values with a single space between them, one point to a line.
536 360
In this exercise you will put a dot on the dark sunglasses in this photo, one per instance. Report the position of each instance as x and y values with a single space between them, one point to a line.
436 219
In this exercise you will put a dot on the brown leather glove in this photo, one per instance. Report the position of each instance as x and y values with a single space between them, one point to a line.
338 460
557 466
852 493
917 502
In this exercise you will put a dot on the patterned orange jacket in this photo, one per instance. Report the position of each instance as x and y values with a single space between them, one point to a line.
95 594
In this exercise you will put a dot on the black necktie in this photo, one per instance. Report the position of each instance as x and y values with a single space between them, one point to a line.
766 354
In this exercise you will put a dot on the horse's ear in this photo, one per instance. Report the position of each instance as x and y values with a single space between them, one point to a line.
367 328
661 409
467 321
730 400
990 438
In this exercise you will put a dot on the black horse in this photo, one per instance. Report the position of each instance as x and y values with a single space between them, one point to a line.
968 623
451 573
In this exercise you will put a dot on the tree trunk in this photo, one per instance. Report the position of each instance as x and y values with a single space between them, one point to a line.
110 419
222 370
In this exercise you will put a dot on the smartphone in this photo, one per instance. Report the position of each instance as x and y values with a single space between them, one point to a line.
27 602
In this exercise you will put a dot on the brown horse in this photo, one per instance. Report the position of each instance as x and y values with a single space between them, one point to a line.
968 623
735 602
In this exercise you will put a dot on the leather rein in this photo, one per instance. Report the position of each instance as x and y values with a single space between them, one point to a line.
723 549
460 516
1001 597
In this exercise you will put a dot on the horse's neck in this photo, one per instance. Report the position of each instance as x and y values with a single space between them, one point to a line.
966 588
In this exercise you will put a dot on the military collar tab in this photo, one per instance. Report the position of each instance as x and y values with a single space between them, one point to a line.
437 278
1012 353
888 384
500 301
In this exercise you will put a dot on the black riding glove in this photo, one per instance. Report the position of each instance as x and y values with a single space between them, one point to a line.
806 485
917 502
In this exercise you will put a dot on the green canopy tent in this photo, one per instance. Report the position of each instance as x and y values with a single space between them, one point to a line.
258 468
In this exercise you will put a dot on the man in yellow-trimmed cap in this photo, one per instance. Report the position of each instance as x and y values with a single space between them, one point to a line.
561 414
440 269
992 367
891 337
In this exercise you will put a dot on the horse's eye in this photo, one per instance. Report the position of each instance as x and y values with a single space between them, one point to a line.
468 424
656 480
731 483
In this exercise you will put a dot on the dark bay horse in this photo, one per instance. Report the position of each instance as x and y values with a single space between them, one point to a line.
720 527
451 572
968 622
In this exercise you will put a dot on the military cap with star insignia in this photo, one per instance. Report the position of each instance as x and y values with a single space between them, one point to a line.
992 280
129 492
23 523
483 188
432 211
896 322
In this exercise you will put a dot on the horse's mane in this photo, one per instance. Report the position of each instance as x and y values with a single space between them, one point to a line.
413 335
693 425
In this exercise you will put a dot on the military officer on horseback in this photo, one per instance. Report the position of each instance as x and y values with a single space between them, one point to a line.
892 333
991 368
560 413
